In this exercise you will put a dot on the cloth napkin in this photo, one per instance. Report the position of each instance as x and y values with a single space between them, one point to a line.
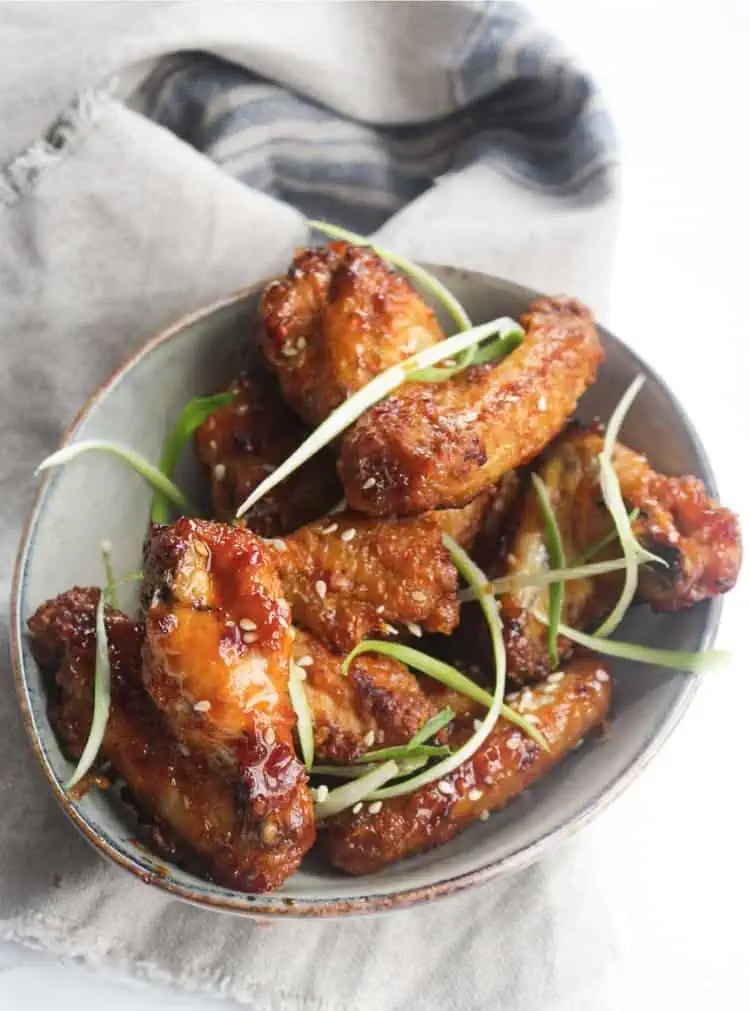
461 132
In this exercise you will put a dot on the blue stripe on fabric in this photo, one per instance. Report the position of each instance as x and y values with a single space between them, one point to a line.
523 109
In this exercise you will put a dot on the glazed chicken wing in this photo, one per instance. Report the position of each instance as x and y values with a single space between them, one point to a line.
197 813
339 318
567 707
348 577
244 441
677 520
217 655
440 444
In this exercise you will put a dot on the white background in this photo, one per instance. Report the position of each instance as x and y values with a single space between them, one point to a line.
672 857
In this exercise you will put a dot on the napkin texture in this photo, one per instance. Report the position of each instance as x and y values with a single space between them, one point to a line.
462 133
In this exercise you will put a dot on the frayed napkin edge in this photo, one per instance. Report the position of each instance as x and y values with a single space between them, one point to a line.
86 111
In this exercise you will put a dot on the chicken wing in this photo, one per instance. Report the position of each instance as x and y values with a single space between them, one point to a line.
217 653
440 444
244 441
338 319
567 707
197 813
348 577
677 519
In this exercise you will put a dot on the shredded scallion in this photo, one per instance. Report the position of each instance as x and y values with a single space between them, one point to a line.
102 691
556 554
159 481
298 698
191 417
522 580
358 789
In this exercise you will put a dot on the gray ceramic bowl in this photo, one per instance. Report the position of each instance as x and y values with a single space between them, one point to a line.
97 497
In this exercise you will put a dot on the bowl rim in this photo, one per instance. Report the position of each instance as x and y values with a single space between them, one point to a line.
274 905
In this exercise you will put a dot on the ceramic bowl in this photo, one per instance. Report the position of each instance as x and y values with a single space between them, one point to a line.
98 497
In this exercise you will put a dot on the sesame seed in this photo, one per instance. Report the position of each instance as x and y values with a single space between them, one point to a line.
288 350
531 718
357 807
390 630
369 738
269 833
322 793
601 675
542 404
220 471
332 528
305 661
513 697
514 743
369 483
203 706
299 672
550 689
301 344
419 596
278 544
186 802
106 547
450 362
321 589
555 679
243 409
414 629
380 609
212 445
375 807
349 535
484 816
475 794
184 750
477 724
247 625
249 638
445 788
269 736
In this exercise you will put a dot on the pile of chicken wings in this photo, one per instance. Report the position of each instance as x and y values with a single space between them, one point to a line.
201 729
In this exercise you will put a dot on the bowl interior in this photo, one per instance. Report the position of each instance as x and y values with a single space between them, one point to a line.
97 497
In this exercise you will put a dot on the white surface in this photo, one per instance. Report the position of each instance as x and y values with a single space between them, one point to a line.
671 855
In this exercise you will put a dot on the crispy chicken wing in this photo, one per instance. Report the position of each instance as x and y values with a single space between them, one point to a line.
440 444
338 319
348 577
244 441
197 814
677 520
569 706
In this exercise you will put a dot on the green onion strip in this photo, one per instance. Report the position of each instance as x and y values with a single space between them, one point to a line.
102 691
345 414
556 554
191 417
522 580
633 552
298 698
159 481
675 659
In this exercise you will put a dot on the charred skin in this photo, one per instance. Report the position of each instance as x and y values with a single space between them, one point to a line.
339 318
501 769
431 445
244 441
198 815
378 704
349 577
